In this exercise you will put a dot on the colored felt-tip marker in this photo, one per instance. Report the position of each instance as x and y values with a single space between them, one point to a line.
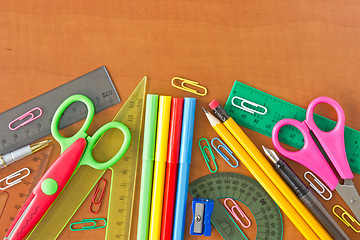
172 168
162 137
187 132
147 166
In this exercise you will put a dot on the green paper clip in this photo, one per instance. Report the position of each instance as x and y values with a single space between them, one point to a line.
90 220
207 161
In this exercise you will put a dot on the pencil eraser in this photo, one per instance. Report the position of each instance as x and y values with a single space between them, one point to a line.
214 104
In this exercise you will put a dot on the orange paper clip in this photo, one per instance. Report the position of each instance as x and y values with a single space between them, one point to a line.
351 218
96 194
190 83
32 114
232 211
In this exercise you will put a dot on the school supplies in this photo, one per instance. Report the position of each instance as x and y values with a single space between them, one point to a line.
278 109
162 137
76 151
20 153
234 213
26 118
222 145
205 156
266 175
172 164
321 146
202 210
147 166
14 178
122 178
306 196
246 190
184 82
13 198
94 225
344 220
96 85
97 197
323 187
187 132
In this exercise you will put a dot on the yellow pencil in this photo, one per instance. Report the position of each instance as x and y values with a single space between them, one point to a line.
266 183
159 167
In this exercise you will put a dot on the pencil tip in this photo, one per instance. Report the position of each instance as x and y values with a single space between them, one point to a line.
204 110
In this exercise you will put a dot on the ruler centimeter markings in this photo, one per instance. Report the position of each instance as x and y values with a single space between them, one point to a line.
278 109
97 85
122 178
246 190
14 197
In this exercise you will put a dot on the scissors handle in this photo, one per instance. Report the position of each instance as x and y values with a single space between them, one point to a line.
332 141
88 159
66 142
309 156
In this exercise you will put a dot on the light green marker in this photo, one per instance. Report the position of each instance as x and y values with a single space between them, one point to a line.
147 166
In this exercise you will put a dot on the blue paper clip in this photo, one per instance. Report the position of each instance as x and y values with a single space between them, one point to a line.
202 210
222 154
90 220
207 161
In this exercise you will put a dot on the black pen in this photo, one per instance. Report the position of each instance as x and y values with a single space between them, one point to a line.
306 196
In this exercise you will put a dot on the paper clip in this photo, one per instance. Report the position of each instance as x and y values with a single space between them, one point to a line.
13 175
232 211
250 110
189 82
207 161
96 194
324 188
90 220
342 218
222 145
30 113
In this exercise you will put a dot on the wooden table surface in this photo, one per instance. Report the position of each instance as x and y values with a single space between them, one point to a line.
295 50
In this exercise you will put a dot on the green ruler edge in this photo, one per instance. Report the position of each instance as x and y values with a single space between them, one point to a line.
278 109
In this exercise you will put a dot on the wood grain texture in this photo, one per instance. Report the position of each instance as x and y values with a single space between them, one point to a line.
295 50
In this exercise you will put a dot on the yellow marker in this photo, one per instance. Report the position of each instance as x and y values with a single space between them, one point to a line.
160 166
264 180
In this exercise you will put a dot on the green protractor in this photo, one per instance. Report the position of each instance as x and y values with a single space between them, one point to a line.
247 191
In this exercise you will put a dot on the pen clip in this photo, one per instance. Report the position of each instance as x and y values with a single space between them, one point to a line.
250 110
187 89
207 161
12 176
233 213
222 145
324 188
96 194
346 214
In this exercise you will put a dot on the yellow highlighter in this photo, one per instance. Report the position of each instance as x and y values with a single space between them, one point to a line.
160 166
262 178
266 167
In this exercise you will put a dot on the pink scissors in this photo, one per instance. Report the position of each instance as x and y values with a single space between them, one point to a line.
333 146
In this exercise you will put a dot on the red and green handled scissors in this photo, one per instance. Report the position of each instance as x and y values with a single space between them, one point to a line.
76 151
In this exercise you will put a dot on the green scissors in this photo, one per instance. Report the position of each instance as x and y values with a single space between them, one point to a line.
75 151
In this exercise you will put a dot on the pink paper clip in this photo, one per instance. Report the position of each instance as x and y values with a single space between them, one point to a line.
96 194
30 113
232 211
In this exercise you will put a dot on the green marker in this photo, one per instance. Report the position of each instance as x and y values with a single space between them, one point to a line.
147 166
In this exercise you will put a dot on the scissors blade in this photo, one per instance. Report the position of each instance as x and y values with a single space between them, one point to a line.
350 195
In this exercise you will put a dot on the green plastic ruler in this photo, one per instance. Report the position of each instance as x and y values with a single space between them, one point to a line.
122 179
278 109
249 192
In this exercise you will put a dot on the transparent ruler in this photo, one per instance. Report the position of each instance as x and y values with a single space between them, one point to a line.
122 178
